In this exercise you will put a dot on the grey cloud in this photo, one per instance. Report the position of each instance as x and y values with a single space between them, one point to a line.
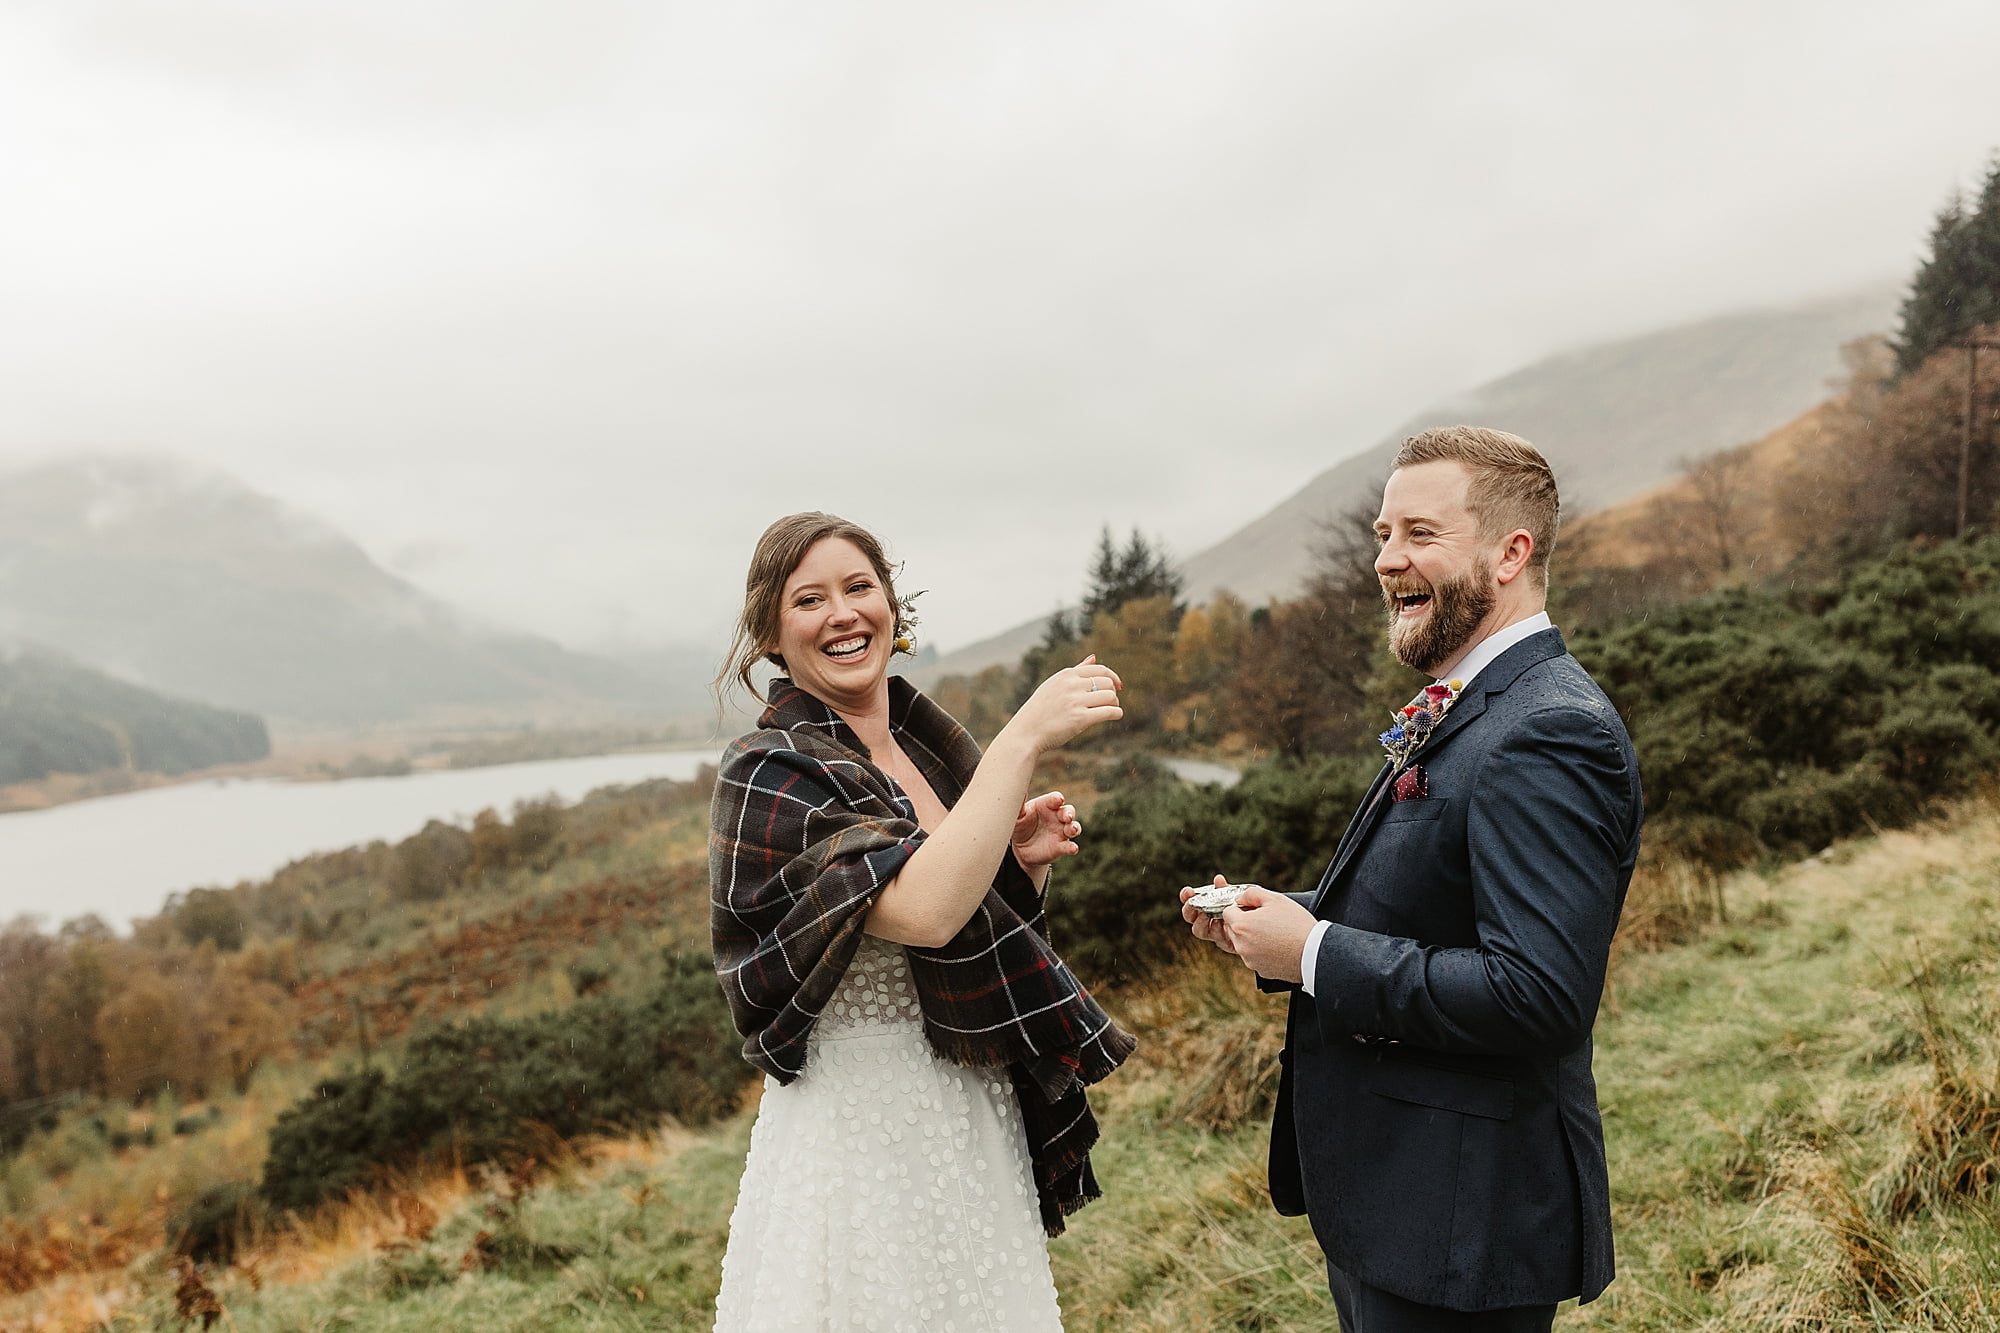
581 295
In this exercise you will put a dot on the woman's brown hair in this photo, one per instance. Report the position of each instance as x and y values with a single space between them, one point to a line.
779 551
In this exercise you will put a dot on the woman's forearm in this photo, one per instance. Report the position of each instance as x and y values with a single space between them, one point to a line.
944 880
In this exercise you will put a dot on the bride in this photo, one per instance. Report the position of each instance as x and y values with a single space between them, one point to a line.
877 918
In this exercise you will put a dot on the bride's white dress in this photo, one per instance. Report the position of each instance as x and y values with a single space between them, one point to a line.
886 1188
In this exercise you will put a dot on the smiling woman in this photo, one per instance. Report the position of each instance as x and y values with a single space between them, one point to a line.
877 918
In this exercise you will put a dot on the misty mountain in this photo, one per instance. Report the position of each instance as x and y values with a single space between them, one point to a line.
58 716
1613 419
188 582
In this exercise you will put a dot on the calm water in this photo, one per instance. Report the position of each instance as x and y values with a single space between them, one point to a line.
120 856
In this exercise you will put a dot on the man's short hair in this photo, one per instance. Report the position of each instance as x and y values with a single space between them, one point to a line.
1512 485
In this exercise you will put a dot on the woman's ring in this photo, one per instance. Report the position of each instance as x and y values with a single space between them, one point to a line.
1093 684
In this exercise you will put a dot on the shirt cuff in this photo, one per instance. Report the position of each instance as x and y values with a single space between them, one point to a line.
1308 961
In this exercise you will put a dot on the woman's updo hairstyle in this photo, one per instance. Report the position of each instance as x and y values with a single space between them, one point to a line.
779 551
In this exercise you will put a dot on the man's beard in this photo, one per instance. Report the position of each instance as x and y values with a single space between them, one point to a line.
1458 605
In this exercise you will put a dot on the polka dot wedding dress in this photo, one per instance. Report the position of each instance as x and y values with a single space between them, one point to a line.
887 1188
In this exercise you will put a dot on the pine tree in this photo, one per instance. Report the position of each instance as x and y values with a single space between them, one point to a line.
1101 582
1956 289
1116 576
1140 570
1056 650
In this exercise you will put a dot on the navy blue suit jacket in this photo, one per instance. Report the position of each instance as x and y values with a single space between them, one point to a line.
1437 1118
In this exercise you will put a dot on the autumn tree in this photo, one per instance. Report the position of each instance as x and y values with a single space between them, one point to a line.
538 829
242 1025
1137 640
431 862
982 703
28 959
275 961
71 1057
1208 642
1305 681
492 842
1890 467
147 1038
1695 532
208 914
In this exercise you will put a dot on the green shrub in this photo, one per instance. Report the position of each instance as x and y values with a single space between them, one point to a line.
605 1063
210 1227
431 862
335 1139
1770 723
1115 909
208 914
537 827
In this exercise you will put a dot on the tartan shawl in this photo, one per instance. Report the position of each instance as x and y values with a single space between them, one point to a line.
804 832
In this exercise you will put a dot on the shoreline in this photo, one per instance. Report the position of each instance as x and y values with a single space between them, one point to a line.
320 763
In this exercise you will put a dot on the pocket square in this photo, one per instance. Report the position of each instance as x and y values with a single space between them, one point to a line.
1414 784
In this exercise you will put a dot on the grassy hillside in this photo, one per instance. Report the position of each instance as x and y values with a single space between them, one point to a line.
59 716
1800 1102
1739 1062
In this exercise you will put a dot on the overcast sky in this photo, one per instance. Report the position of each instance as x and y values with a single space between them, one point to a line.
554 305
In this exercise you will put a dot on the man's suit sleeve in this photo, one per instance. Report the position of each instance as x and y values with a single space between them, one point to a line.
1549 823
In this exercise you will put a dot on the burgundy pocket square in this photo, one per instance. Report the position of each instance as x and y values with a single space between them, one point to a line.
1414 784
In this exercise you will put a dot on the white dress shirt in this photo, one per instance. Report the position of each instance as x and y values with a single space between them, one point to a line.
1482 655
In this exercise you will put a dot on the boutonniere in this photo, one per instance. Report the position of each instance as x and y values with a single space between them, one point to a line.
1415 721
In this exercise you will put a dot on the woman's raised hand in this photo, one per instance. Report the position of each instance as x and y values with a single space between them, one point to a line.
1045 831
1067 704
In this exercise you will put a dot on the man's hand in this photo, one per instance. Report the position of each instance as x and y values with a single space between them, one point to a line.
1205 926
1268 932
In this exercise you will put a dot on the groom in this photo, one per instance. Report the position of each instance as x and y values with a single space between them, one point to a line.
1436 1116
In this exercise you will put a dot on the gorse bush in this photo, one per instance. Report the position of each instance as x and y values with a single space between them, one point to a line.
1768 723
606 1063
1771 723
215 1223
1115 909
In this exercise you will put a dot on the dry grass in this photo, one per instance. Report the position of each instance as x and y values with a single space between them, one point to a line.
1207 1039
391 1220
1799 1101
1798 1077
90 1213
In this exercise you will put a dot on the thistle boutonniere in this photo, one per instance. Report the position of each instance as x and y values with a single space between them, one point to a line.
1413 722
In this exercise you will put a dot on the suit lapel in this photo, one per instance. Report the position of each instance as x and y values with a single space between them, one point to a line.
1371 805
1497 676
1357 832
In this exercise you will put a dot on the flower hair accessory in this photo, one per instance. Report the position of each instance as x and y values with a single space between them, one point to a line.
906 621
1413 723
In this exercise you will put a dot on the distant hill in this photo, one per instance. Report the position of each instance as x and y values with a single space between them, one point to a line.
1614 419
58 716
187 581
1631 534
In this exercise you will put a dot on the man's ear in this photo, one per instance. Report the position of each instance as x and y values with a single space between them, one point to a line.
1515 553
